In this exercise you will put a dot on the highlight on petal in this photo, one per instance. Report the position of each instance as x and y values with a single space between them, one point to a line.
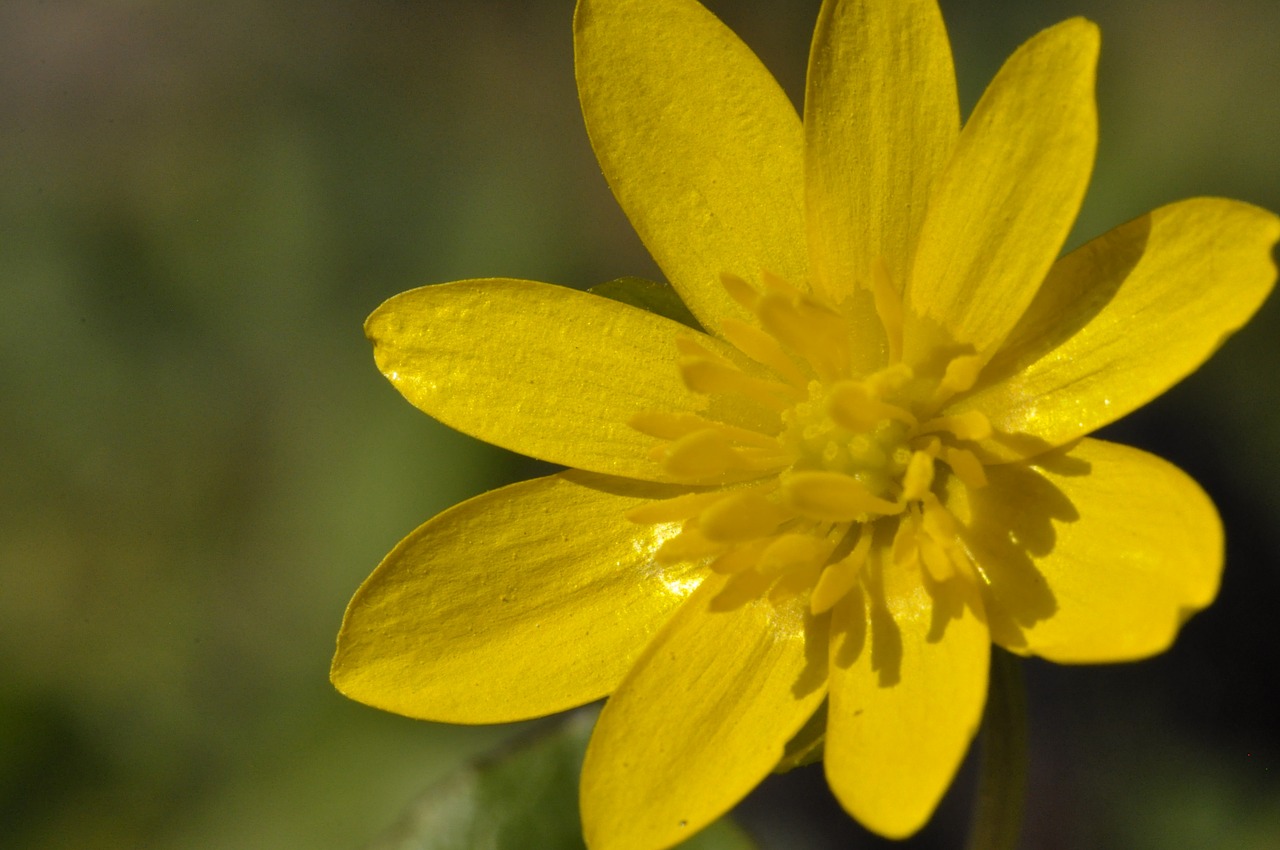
703 717
519 603
881 120
908 683
1094 555
542 370
700 145
1125 317
1001 210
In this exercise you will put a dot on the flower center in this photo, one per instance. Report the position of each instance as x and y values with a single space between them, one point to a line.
807 465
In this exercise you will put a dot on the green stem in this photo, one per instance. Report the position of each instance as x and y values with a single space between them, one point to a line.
1002 778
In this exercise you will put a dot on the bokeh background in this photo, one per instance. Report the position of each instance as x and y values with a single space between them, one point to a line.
199 204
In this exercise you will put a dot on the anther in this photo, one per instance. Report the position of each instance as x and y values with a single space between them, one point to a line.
970 425
888 306
833 497
742 516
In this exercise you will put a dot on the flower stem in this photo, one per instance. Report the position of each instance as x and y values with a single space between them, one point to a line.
1002 779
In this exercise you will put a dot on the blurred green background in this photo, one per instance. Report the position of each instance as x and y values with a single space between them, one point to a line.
201 203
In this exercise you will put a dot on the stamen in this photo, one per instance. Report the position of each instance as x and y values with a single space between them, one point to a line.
710 377
935 560
852 405
688 545
690 347
790 551
764 349
740 589
832 497
723 375
962 373
966 466
673 426
938 521
839 578
942 530
742 516
702 455
807 326
905 551
793 583
739 290
751 459
890 379
888 307
918 478
740 558
675 509
970 425
778 285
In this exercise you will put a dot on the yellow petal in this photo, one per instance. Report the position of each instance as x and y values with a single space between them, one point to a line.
518 603
542 370
903 709
704 716
1000 211
1096 555
700 145
1125 317
881 120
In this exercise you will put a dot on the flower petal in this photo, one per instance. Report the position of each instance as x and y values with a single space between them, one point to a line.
1123 318
908 683
700 145
1001 210
1093 555
704 716
542 370
517 603
881 121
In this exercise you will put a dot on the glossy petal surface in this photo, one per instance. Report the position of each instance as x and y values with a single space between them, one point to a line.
542 370
700 145
703 717
1096 555
908 683
1125 317
1002 208
881 120
549 613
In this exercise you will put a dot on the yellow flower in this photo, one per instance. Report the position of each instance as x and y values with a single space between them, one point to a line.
872 465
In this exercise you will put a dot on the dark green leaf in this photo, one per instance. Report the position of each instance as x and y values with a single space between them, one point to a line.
807 745
524 795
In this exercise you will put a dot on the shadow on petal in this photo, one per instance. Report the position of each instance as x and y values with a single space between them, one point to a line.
849 628
1009 524
949 601
630 487
886 637
816 655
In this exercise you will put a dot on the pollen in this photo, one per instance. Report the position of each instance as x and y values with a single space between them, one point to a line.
849 469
